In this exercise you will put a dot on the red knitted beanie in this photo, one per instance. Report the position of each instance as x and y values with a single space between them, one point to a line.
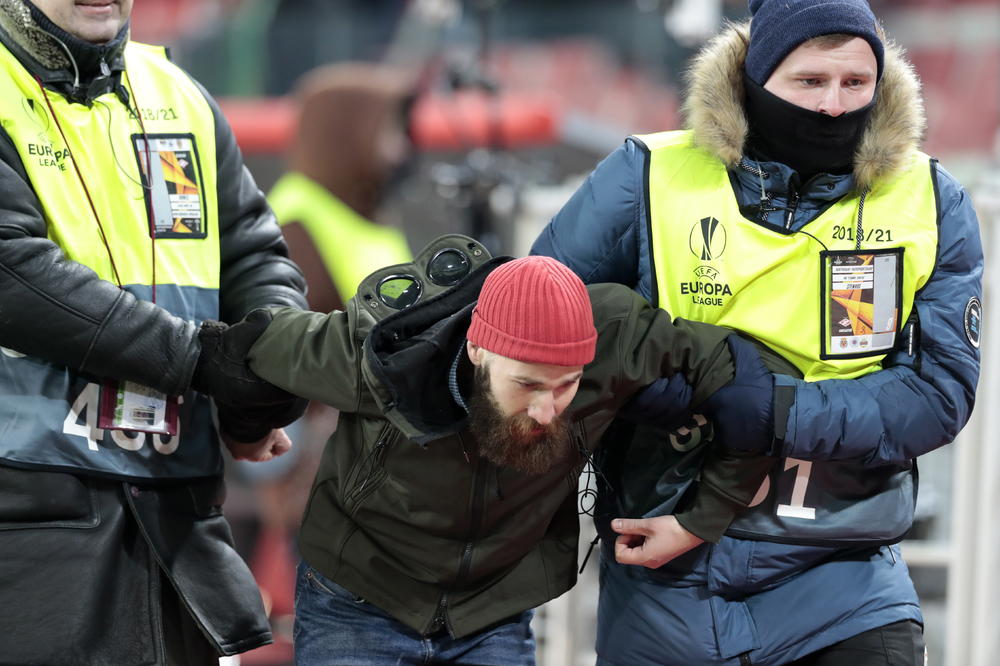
535 310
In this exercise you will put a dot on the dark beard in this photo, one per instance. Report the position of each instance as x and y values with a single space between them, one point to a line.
509 441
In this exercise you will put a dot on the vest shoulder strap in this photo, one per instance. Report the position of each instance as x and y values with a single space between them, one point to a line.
659 140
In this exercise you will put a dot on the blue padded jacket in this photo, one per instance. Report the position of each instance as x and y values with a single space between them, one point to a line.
756 602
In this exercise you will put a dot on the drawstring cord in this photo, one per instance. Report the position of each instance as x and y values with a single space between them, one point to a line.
860 230
590 549
72 61
588 493
86 190
765 198
83 183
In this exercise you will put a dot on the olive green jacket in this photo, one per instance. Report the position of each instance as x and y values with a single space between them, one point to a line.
406 514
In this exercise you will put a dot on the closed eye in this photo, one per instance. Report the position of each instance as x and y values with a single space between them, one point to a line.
566 386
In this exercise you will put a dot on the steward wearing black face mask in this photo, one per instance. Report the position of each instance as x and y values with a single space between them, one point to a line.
798 209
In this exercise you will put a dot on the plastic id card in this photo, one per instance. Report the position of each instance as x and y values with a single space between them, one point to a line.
131 406
861 294
172 174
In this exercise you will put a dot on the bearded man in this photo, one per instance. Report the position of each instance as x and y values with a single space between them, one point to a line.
444 507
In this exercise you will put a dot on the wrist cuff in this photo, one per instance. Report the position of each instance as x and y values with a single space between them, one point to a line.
710 515
784 399
714 507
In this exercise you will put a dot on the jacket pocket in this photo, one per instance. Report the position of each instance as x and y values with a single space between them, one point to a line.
370 471
198 499
324 585
37 499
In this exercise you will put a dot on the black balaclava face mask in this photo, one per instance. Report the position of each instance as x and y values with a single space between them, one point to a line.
807 141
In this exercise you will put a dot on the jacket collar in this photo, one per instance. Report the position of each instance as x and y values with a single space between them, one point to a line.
714 109
410 356
50 58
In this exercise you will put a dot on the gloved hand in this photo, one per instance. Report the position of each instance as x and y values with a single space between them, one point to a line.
222 370
665 404
742 411
248 406
252 424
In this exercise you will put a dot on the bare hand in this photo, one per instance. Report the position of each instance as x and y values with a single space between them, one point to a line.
272 445
651 542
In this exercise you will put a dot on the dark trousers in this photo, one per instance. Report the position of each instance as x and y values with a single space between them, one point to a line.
897 644
334 626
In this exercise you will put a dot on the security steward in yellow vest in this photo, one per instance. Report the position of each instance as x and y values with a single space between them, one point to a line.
350 144
127 218
797 208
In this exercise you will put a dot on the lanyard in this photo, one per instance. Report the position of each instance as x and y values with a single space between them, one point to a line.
145 184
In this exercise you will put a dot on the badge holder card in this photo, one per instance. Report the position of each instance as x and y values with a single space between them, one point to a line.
131 406
861 292
171 173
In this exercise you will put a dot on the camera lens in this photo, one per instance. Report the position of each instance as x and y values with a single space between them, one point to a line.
448 267
399 291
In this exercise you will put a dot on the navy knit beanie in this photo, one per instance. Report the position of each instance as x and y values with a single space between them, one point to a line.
777 27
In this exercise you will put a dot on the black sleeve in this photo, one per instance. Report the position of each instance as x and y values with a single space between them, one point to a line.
256 270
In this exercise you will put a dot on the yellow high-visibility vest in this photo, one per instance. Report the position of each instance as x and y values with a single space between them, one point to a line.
711 264
55 409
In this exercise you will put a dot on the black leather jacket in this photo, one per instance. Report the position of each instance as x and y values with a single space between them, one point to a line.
61 311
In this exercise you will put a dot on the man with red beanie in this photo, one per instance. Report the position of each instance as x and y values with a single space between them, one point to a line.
444 509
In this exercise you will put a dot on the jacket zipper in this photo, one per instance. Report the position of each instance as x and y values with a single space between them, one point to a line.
375 459
441 618
793 203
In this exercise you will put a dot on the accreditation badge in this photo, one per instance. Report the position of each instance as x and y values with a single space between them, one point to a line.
861 294
130 406
171 175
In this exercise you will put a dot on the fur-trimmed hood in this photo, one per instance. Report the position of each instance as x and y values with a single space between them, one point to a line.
22 30
714 109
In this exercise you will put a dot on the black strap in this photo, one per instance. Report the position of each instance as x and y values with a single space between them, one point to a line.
589 551
784 398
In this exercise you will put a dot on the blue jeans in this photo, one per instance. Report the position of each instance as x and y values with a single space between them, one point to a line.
335 627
